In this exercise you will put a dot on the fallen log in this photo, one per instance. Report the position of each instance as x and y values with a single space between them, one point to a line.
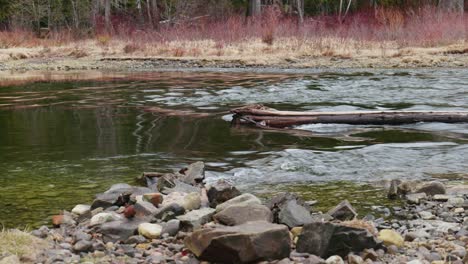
262 116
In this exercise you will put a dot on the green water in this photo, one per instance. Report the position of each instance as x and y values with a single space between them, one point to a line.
61 142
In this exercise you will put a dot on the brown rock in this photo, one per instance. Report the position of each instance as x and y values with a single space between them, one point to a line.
155 198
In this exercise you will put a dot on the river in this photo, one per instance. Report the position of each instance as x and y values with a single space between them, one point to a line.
62 140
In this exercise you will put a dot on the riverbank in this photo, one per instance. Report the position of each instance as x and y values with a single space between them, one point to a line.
175 217
287 53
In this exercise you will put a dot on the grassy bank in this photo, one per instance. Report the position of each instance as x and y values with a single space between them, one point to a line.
385 38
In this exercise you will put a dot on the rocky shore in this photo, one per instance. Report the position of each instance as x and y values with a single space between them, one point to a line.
177 218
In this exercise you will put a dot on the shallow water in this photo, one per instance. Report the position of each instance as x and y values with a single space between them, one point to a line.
63 141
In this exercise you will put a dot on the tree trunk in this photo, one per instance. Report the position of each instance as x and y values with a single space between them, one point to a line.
155 13
299 6
269 117
255 7
457 6
107 15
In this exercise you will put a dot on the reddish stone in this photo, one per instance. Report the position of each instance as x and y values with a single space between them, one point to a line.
154 198
129 211
57 220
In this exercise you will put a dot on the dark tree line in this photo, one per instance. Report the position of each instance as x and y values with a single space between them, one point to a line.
92 15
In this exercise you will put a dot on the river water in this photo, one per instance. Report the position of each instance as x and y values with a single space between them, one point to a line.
62 141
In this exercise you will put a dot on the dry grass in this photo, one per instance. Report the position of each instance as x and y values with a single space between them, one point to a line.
21 244
390 36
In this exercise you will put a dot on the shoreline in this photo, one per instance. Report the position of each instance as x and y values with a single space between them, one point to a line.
176 218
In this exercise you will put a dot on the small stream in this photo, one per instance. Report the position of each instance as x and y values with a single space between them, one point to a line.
62 141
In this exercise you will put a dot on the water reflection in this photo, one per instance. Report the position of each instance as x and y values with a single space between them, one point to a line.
63 141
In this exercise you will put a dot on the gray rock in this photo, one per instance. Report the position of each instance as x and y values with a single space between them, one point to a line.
343 211
431 188
42 232
240 214
144 208
426 215
334 260
196 218
119 230
194 173
118 196
243 199
182 187
250 242
292 214
135 240
80 235
83 246
415 198
169 212
328 239
220 192
172 227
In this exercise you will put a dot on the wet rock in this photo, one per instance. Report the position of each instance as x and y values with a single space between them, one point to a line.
118 230
343 211
334 260
154 198
81 209
171 227
390 237
150 231
139 239
415 198
239 214
243 199
250 242
221 192
194 173
104 217
196 218
83 246
169 212
431 188
328 239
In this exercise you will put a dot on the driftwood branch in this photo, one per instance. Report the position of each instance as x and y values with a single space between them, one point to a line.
262 116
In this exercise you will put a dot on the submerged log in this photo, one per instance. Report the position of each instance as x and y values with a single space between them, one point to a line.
262 116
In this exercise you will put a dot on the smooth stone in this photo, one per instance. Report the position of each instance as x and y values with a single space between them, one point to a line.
246 243
426 215
390 237
415 198
81 209
243 199
354 259
192 201
80 235
220 192
118 230
104 217
83 246
149 230
65 219
456 201
139 239
431 188
239 214
196 218
343 211
441 197
328 239
334 260
459 210
172 227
